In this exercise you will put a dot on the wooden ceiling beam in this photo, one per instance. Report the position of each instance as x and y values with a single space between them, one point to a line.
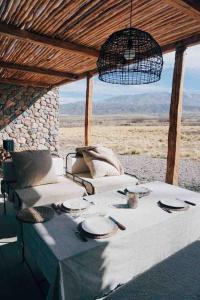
37 70
80 76
189 7
187 42
14 32
24 82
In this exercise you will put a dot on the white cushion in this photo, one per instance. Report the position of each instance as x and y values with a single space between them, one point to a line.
107 183
58 164
48 193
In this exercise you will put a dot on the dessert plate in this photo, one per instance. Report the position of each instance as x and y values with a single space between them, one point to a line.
99 225
75 204
173 203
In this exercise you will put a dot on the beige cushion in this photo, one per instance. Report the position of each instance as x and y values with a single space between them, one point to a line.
46 194
99 168
33 168
80 150
102 161
104 184
76 165
9 174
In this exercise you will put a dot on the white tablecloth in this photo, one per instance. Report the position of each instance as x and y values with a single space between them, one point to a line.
80 270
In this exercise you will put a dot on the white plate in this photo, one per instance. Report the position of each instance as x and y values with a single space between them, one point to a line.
173 203
98 225
137 189
76 204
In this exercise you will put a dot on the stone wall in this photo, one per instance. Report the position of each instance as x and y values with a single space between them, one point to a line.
29 116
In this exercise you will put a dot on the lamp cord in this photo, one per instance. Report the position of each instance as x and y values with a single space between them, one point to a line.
131 13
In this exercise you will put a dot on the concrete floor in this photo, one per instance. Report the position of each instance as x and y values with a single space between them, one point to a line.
16 280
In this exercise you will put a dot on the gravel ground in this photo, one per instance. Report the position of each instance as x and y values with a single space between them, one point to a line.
151 169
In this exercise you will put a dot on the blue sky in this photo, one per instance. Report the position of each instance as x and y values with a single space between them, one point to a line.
76 91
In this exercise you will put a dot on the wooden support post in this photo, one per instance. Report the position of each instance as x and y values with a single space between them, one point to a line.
175 115
88 109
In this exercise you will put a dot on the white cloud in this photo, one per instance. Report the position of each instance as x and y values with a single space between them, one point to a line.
192 59
169 60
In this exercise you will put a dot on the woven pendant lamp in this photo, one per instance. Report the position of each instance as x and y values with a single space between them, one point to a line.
130 57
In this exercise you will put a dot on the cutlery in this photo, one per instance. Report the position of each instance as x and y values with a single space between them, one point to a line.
56 208
191 203
62 209
188 202
164 208
120 226
91 202
121 192
81 236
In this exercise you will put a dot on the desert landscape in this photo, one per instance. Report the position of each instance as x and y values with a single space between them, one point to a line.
141 143
136 128
131 134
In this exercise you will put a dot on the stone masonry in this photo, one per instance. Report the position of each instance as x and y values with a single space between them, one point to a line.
29 116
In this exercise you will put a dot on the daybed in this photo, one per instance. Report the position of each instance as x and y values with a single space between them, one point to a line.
41 194
77 170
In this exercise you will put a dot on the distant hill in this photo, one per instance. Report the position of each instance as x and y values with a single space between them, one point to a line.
155 103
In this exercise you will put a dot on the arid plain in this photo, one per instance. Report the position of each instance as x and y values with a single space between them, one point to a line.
131 134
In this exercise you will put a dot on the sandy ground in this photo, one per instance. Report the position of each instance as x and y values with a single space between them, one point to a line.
142 140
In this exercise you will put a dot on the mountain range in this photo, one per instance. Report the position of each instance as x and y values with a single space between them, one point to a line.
147 104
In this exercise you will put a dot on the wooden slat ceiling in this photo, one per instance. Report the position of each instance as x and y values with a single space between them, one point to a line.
50 42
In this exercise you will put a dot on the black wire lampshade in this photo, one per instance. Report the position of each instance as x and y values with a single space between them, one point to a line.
131 57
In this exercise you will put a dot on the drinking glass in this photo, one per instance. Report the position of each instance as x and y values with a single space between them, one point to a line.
133 200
